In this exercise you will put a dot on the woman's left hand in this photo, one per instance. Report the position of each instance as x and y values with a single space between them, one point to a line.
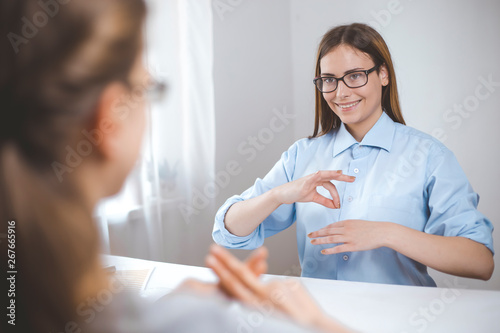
351 235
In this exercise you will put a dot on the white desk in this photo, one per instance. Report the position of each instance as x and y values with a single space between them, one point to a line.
366 307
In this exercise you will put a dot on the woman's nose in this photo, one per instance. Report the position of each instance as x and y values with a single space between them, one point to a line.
342 90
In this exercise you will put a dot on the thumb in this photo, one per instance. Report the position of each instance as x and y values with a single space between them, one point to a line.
257 261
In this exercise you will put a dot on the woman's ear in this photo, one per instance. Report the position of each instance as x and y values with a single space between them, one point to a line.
108 127
117 130
383 75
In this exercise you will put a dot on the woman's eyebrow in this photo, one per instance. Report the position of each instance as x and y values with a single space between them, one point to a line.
346 72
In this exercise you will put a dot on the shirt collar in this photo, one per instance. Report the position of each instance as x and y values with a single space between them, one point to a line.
380 135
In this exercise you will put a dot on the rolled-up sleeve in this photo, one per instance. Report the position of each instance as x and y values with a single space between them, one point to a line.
453 203
280 219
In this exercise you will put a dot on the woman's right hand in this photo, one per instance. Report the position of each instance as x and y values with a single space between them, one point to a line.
304 189
243 217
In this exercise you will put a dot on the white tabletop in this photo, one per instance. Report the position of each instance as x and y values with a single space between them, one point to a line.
366 307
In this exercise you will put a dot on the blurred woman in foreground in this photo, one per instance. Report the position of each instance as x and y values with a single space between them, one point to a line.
72 96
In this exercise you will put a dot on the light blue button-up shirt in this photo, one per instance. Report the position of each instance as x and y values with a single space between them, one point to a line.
402 176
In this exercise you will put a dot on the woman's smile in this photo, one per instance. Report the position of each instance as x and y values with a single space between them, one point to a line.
348 106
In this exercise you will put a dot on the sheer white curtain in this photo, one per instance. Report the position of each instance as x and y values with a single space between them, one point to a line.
162 210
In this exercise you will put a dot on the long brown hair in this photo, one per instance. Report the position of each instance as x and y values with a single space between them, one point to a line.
367 40
57 58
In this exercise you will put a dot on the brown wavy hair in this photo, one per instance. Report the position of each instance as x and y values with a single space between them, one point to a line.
367 40
52 72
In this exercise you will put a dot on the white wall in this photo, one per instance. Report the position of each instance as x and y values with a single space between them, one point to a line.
264 59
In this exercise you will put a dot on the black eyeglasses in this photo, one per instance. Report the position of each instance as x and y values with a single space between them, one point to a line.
151 88
356 79
155 89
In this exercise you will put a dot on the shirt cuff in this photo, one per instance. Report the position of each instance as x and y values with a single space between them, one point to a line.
225 238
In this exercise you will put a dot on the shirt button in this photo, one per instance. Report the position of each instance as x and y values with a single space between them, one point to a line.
349 199
356 170
345 257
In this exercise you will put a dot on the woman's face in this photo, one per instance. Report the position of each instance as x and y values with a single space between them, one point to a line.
358 108
133 118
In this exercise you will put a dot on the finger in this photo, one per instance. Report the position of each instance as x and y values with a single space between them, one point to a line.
238 269
227 282
333 192
260 268
231 284
327 175
336 228
328 240
318 198
337 249
327 232
256 262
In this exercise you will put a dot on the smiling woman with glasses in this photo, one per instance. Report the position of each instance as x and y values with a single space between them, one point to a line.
374 200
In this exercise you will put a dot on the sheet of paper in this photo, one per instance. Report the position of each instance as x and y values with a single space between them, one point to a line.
135 280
